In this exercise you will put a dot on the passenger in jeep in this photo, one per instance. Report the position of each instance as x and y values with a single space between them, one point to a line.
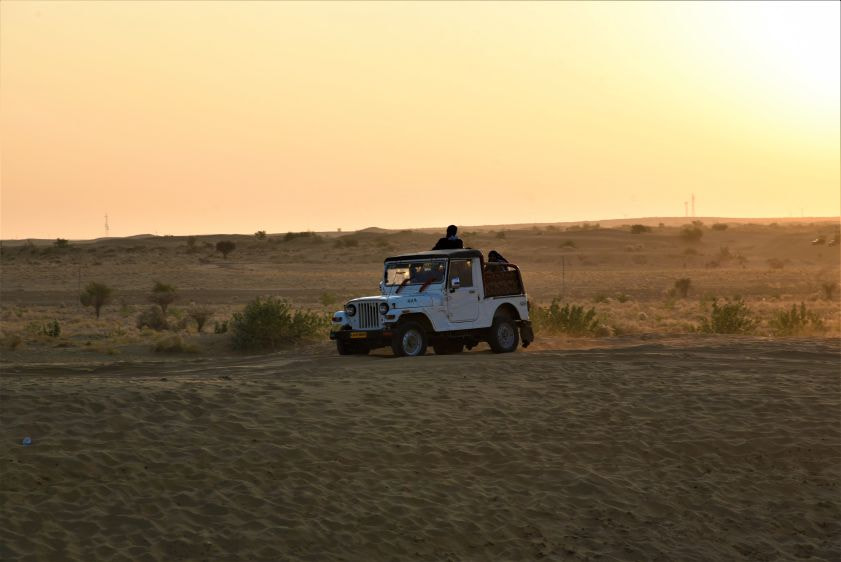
494 259
451 241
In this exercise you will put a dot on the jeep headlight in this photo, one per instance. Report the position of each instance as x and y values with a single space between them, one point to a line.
383 308
350 309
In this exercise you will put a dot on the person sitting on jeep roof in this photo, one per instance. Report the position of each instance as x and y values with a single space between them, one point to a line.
494 259
450 241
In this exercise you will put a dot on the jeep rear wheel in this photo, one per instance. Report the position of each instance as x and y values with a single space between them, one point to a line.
347 348
447 347
504 336
409 340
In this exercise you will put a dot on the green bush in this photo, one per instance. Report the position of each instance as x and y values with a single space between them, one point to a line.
154 318
731 317
639 229
271 323
570 319
795 321
220 327
691 234
61 243
260 235
52 329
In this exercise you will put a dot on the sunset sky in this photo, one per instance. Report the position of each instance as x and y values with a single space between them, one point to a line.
192 117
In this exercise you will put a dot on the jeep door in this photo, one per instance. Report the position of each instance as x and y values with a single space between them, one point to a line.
462 295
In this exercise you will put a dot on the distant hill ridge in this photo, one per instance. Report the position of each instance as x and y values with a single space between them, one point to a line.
604 223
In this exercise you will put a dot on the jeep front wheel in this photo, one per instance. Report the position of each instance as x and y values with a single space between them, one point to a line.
409 340
504 336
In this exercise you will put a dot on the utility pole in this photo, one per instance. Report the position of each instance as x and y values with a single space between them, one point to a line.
685 208
693 205
107 228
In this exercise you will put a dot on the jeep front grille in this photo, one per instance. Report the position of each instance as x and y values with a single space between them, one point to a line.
369 315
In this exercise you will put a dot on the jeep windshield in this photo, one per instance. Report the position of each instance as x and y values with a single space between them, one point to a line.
414 272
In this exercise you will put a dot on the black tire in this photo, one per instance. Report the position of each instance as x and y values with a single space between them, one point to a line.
347 348
448 347
504 336
409 340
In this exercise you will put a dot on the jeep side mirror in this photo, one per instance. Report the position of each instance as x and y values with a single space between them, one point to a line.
381 286
455 283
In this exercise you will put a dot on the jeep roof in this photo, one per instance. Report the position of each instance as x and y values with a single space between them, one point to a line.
432 254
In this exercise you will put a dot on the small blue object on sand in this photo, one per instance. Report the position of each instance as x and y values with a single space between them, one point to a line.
27 441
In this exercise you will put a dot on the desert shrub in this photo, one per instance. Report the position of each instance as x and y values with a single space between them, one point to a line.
691 234
639 229
174 344
61 243
570 319
225 247
828 289
600 298
795 321
270 323
200 315
163 295
51 329
622 297
568 244
719 226
682 286
96 295
260 235
731 317
220 327
346 243
501 234
152 317
776 263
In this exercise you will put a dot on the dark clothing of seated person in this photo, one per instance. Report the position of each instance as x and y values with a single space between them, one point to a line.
451 241
495 260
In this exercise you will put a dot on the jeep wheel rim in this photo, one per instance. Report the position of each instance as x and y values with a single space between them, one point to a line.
412 342
505 335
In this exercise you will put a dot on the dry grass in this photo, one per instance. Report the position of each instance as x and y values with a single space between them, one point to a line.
628 278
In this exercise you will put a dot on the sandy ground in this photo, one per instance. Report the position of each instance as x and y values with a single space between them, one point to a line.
693 449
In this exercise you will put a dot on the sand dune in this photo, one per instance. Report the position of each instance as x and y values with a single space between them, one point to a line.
716 450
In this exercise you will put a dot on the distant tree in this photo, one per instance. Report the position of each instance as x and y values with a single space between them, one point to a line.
719 226
163 295
96 295
225 247
260 235
682 286
639 229
61 243
191 244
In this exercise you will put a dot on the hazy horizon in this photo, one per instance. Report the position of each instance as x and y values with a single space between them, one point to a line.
182 118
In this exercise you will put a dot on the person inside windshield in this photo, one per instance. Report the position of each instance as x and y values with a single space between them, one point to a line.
451 241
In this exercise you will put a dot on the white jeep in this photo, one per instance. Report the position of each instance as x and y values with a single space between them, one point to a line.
450 299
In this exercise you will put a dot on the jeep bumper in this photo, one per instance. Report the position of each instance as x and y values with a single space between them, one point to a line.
373 338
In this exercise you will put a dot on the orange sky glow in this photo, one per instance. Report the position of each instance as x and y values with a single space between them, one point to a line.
193 117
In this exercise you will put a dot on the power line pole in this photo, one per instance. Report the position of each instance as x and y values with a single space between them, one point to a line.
107 228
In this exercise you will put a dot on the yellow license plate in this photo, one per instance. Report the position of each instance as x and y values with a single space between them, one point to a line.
358 335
